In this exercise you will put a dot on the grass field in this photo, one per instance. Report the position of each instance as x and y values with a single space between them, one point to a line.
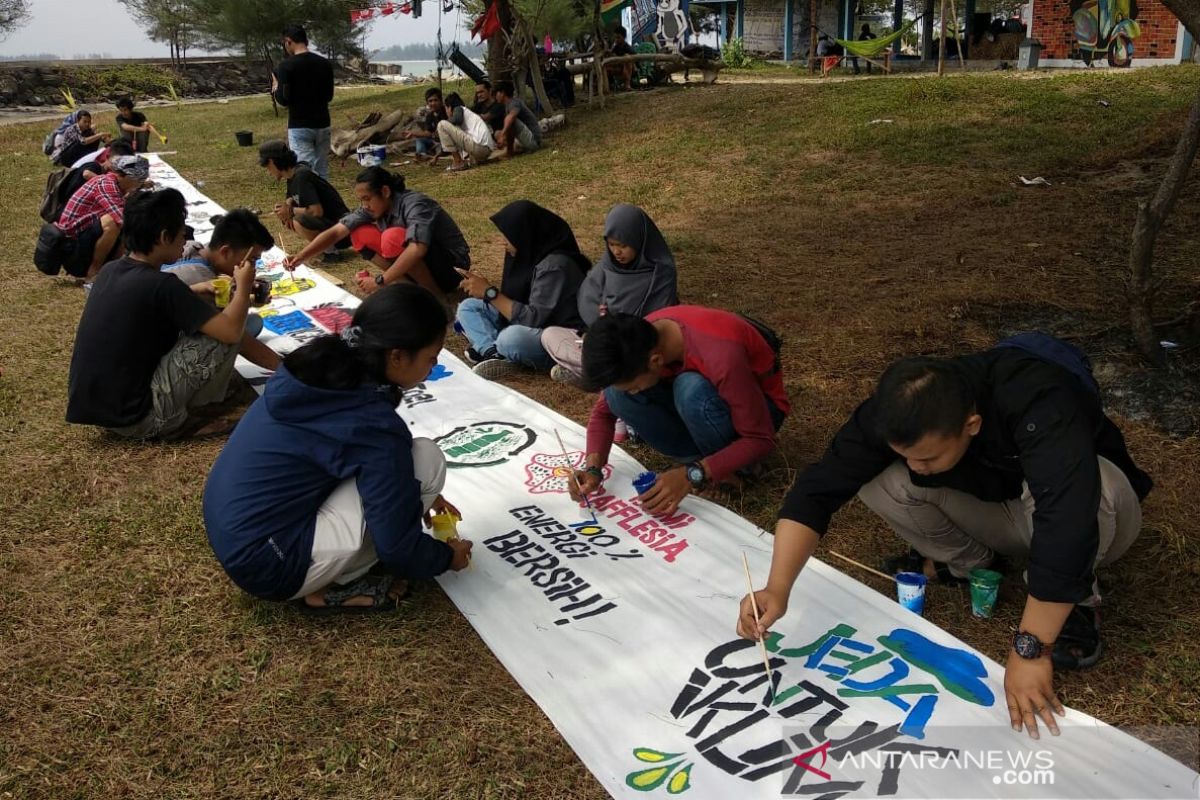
866 220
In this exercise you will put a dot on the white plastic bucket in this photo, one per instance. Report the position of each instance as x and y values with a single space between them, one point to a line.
371 155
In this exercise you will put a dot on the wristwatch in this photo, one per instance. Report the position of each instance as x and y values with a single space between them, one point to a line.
595 472
490 294
696 476
379 279
1029 646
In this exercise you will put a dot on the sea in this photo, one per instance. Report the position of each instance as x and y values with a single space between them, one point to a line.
423 69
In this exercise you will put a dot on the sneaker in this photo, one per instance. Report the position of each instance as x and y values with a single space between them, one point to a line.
560 374
472 356
495 366
621 432
634 438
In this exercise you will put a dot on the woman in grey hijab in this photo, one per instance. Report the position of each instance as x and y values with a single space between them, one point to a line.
636 275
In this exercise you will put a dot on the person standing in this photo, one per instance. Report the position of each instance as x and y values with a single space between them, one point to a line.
303 83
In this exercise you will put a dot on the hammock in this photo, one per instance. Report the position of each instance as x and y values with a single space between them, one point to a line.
870 48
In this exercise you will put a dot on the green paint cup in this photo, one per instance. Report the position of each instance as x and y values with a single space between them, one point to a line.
985 584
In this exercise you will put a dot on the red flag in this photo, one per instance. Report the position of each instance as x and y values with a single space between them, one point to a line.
487 25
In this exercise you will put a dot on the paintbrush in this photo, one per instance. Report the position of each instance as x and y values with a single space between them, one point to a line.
571 476
861 565
762 646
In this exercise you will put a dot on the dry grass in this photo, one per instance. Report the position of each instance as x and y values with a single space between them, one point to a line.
132 668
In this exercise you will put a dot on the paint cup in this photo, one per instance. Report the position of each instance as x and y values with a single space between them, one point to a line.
910 591
262 291
644 482
445 526
222 287
985 585
244 138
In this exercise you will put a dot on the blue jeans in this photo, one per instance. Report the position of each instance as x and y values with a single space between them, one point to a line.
482 325
425 147
311 145
685 419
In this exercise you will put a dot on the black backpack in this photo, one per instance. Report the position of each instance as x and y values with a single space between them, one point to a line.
773 339
60 185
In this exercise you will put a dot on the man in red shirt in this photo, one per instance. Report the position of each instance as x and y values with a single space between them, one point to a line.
701 386
93 216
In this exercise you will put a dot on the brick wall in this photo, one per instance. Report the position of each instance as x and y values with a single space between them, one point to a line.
1054 27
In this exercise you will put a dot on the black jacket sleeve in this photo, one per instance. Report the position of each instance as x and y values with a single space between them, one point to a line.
854 458
1056 441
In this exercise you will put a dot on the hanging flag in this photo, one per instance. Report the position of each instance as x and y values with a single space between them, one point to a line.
610 10
487 25
361 14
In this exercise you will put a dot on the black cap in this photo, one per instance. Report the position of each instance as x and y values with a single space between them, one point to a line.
275 150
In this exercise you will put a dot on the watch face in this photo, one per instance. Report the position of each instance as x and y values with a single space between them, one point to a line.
695 474
491 293
1027 645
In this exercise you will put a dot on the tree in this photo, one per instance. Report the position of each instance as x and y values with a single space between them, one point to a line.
1153 212
255 27
167 21
13 14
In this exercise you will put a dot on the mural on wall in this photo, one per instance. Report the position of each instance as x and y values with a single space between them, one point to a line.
1105 28
673 24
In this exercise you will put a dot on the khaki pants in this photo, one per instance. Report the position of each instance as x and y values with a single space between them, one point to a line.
195 372
343 550
565 346
455 140
963 531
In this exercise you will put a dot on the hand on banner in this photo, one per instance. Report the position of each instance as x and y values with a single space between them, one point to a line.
1029 689
462 554
770 608
668 492
585 484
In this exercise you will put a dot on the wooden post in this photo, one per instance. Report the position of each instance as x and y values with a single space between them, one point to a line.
942 45
812 37
958 43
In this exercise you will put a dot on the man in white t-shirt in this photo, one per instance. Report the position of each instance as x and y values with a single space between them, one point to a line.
465 133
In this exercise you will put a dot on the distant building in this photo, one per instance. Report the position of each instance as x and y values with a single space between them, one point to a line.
1074 33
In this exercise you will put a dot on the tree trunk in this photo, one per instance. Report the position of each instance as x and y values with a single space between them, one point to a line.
539 87
498 66
942 43
812 37
1150 218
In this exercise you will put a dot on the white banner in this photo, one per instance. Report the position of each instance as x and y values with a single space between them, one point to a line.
621 629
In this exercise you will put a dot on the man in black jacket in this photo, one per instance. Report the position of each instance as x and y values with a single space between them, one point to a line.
1007 451
303 82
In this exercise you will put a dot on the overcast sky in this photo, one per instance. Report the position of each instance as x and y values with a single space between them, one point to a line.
80 27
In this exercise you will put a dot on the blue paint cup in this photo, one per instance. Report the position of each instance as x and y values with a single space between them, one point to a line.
910 591
644 482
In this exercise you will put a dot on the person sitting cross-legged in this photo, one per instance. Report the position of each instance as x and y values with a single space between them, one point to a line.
520 123
1007 452
543 269
237 236
312 205
149 350
323 480
702 386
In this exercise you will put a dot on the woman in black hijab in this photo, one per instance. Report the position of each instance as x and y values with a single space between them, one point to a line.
543 269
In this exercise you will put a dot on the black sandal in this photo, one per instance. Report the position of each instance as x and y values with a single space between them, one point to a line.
913 561
377 587
1078 644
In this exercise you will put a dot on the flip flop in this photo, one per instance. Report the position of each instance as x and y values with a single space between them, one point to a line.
1078 645
377 587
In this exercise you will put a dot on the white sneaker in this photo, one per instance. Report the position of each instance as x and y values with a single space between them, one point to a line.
560 374
495 367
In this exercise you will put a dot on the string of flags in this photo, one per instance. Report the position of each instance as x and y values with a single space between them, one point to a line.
384 10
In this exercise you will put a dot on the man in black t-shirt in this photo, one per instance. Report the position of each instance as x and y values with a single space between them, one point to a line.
312 204
303 83
132 125
621 47
488 107
149 348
